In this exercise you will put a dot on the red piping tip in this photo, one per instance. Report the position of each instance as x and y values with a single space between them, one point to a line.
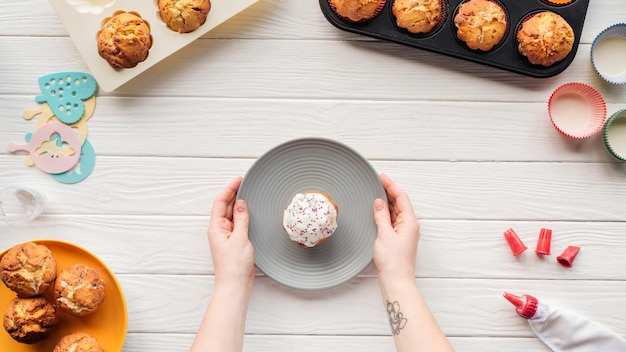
525 305
543 244
515 243
517 301
566 258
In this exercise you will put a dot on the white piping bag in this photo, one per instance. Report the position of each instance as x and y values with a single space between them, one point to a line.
563 330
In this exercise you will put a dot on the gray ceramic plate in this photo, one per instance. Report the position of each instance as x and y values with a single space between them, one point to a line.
299 166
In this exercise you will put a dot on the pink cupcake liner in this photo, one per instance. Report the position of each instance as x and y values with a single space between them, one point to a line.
566 108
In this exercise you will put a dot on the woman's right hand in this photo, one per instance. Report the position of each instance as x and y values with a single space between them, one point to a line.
395 248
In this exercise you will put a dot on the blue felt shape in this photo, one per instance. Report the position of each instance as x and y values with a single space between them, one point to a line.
64 92
85 166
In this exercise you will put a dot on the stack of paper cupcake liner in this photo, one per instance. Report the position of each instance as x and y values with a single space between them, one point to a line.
614 135
617 76
597 109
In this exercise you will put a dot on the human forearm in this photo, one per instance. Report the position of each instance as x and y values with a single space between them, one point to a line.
412 324
223 325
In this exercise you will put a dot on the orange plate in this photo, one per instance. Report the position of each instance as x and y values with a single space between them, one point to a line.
108 324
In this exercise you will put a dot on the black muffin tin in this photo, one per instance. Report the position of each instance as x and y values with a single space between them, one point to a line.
443 38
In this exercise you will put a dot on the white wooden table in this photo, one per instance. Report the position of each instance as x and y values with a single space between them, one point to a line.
472 145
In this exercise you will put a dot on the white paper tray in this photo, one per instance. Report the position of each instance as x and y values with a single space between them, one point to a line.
83 25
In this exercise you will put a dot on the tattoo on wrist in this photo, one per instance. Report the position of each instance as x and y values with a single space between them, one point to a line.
396 318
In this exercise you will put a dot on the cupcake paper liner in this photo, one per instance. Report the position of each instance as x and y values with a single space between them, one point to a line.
559 2
607 54
378 10
561 116
614 135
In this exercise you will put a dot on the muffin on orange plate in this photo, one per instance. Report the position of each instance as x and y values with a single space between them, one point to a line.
79 290
184 16
124 39
481 24
545 38
310 218
29 320
418 16
357 10
78 342
28 269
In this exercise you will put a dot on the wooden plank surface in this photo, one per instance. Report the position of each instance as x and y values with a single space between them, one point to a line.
522 132
472 145
150 185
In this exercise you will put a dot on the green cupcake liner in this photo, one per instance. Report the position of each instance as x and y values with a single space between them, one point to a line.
606 139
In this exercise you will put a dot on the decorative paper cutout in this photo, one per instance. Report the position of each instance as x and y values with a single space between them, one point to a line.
64 92
82 169
45 151
59 145
46 115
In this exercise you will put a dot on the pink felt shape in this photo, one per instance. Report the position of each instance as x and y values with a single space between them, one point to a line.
50 155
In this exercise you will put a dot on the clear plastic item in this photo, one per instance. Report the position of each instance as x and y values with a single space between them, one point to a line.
19 205
563 330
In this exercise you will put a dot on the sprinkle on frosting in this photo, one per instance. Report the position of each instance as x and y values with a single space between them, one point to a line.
309 218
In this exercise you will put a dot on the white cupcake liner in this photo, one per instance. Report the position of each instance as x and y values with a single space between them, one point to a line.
594 121
610 138
598 57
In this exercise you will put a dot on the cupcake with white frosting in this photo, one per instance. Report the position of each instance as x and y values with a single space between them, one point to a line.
310 218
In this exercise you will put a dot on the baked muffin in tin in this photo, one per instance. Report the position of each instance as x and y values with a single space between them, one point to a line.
481 24
184 16
418 16
545 38
124 39
357 10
